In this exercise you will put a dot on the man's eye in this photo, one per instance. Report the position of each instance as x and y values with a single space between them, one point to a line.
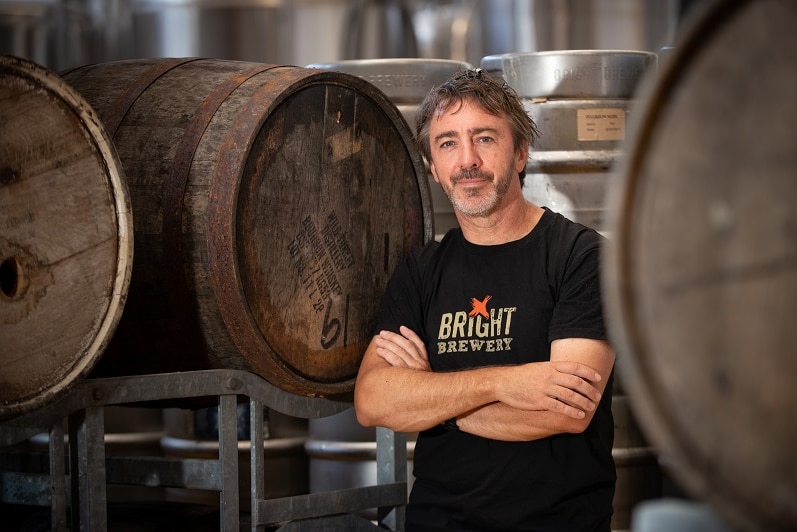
485 140
447 144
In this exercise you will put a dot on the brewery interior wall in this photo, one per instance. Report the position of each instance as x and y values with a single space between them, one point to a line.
61 34
65 34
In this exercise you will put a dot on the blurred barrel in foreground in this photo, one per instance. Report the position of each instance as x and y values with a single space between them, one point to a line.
407 82
580 101
701 272
271 204
66 237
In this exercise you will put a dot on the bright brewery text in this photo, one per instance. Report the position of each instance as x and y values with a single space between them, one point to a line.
460 332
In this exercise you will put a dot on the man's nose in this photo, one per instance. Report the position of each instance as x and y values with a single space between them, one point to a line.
469 157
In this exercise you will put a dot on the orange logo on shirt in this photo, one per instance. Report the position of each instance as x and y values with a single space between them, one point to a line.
479 307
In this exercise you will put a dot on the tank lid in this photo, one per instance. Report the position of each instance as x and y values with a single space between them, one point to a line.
402 80
493 64
572 73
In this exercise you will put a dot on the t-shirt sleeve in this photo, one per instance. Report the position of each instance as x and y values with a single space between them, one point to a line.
401 302
579 310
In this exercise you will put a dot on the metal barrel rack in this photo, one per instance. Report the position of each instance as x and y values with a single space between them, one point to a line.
82 487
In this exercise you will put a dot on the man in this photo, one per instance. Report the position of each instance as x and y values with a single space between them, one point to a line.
492 343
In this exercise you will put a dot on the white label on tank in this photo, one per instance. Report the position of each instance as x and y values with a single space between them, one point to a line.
601 124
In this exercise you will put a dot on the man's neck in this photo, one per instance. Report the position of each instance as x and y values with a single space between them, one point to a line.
511 223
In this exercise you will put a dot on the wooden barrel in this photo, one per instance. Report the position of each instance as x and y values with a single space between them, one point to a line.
701 273
271 204
406 81
66 237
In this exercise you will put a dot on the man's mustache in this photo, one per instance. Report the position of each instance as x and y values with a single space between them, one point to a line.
471 173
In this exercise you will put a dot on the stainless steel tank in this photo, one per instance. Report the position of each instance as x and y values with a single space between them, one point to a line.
580 101
194 434
55 34
342 454
26 29
244 30
405 82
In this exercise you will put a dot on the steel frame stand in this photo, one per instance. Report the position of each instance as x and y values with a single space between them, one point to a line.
83 489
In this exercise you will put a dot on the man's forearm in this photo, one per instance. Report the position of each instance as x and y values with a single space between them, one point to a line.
390 392
499 421
410 400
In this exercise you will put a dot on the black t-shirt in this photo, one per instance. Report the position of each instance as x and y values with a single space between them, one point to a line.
496 305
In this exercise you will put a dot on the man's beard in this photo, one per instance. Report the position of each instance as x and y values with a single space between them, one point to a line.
487 201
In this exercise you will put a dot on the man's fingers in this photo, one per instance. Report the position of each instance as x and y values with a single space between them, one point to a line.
578 386
388 346
397 339
397 350
579 379
410 335
577 369
390 357
563 408
576 399
393 358
398 358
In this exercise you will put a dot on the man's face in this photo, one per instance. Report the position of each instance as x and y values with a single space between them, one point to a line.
473 158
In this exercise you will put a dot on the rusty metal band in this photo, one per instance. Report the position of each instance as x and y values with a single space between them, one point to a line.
174 198
116 112
221 238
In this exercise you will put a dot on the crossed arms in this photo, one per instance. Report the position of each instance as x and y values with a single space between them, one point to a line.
396 389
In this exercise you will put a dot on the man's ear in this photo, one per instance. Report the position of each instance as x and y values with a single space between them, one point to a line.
434 172
521 158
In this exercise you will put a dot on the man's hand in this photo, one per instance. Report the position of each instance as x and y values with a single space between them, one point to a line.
565 387
404 350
